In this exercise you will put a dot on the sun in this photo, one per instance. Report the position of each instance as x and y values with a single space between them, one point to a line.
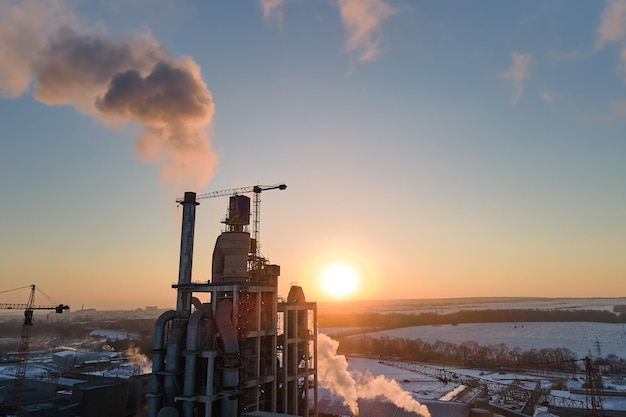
339 281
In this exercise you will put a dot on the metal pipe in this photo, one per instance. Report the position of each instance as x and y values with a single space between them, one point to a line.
189 386
171 384
183 303
210 372
156 398
224 322
230 375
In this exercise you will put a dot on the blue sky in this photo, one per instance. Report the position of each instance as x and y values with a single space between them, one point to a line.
440 149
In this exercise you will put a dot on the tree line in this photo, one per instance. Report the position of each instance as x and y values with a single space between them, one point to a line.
496 358
399 320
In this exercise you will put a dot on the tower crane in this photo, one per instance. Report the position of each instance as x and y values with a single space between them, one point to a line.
29 308
593 388
257 190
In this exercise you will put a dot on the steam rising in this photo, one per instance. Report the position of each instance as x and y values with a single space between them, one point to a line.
140 361
115 79
333 374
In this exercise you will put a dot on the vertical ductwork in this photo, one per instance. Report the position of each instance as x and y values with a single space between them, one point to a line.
192 351
171 381
183 303
156 399
230 373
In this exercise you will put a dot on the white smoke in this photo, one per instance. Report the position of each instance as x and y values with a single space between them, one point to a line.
333 374
115 79
140 362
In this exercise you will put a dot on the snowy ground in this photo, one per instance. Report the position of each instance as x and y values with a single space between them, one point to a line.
424 387
420 386
581 338
595 339
452 305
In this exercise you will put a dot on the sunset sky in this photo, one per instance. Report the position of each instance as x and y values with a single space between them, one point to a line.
432 148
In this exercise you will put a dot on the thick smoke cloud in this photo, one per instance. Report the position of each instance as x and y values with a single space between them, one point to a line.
115 79
333 374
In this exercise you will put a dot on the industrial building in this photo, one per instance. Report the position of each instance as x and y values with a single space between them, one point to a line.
74 394
231 347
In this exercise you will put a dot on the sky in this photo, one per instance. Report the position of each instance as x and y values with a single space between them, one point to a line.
434 149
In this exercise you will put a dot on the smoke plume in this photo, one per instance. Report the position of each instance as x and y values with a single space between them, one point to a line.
115 79
140 362
333 374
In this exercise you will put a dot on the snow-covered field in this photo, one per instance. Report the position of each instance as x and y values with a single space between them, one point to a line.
426 387
452 305
580 337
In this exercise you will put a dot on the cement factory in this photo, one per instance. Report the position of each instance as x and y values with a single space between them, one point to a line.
231 348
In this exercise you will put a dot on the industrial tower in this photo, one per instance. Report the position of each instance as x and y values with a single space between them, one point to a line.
230 347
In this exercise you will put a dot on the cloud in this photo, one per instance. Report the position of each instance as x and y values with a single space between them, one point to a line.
613 24
613 29
362 19
517 74
272 9
114 79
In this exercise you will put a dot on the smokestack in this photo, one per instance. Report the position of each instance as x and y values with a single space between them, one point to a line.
114 79
183 303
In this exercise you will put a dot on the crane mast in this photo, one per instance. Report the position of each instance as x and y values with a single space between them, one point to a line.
23 349
20 369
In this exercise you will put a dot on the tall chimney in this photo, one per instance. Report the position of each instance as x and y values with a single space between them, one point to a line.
183 303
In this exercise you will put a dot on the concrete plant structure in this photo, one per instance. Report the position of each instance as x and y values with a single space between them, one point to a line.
231 347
